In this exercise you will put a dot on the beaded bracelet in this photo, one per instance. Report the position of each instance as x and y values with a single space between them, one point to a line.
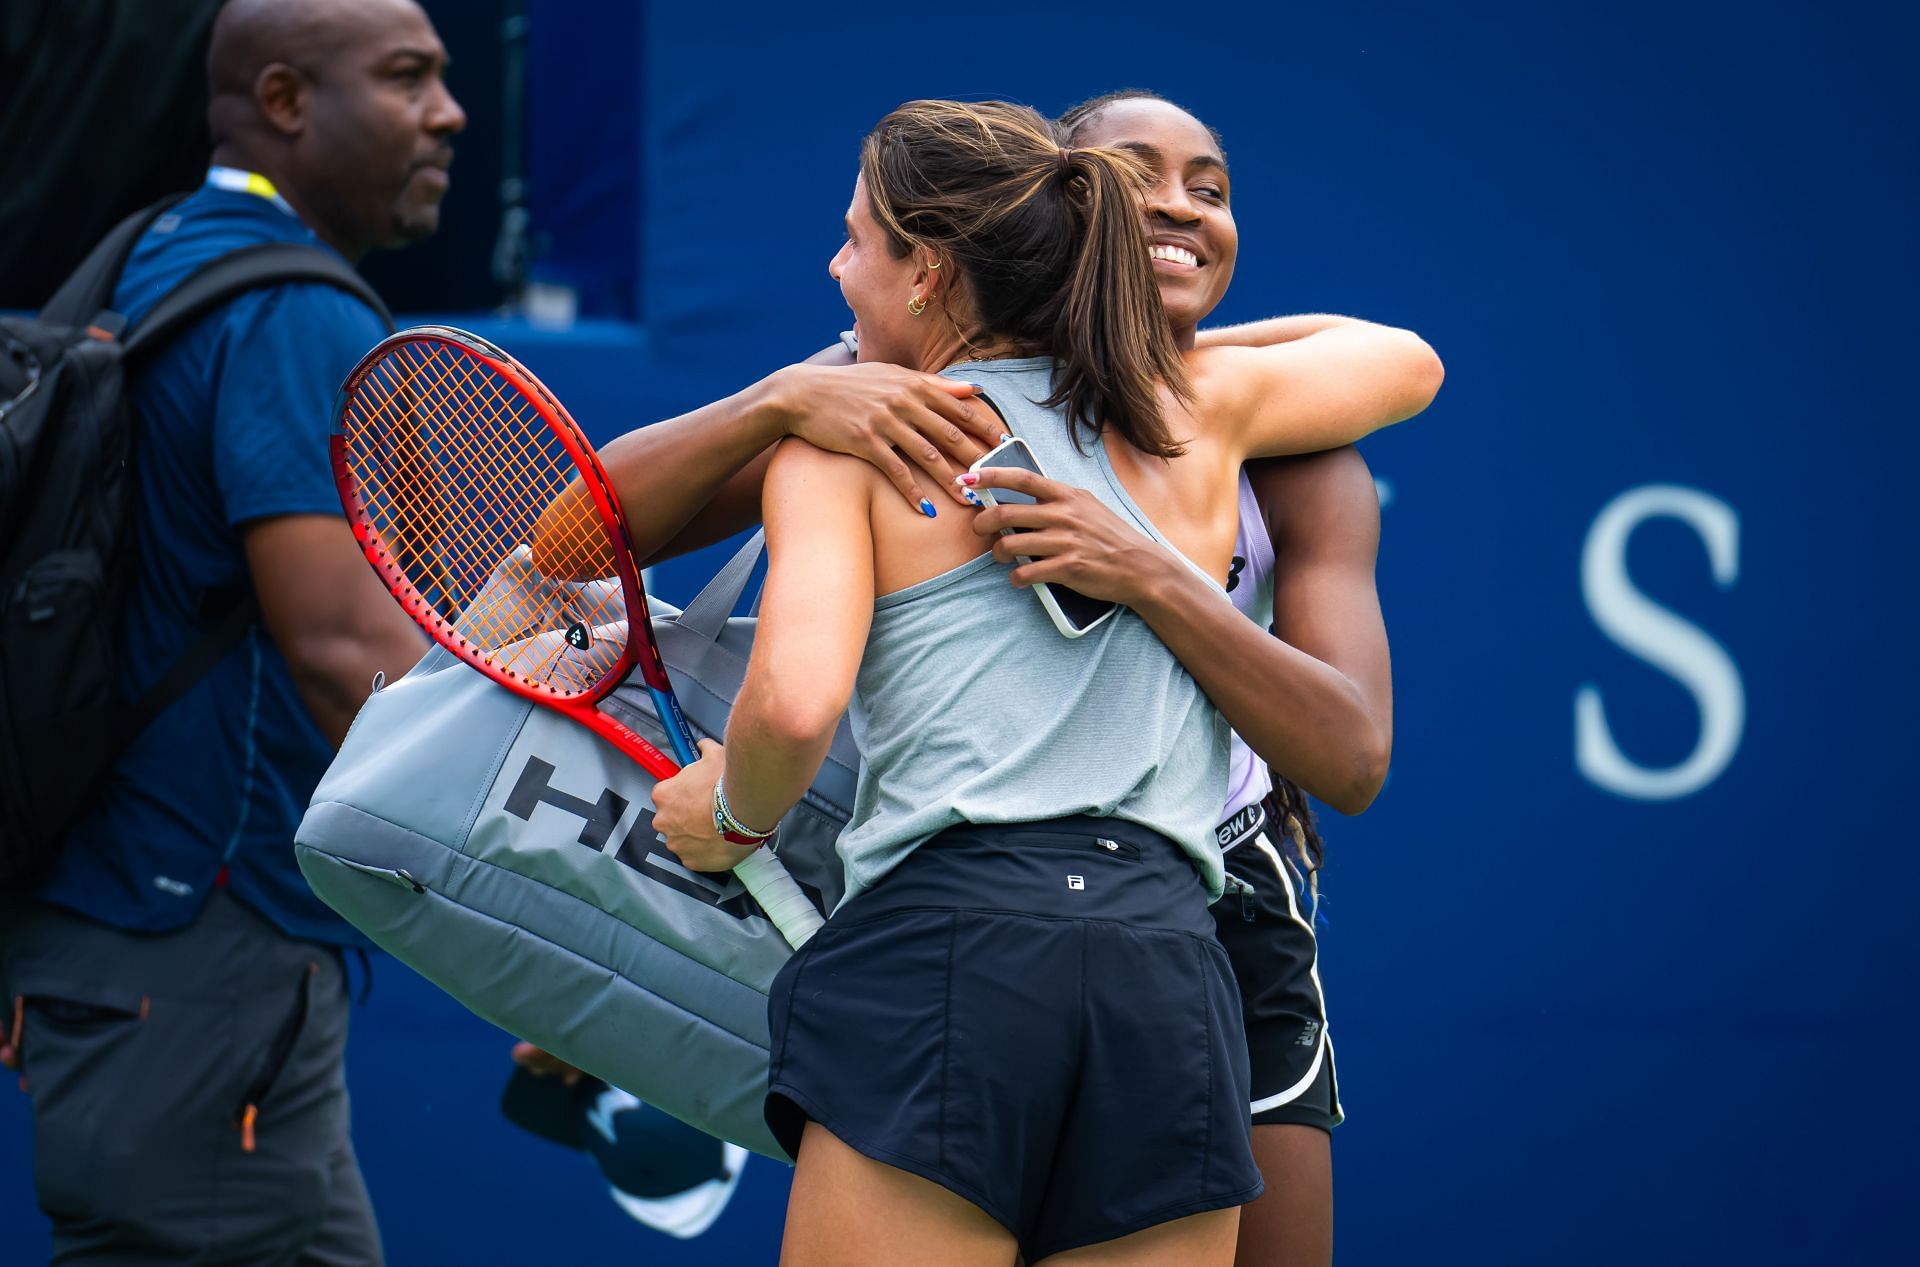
731 829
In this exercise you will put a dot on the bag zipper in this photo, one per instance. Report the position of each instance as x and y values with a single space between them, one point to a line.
393 875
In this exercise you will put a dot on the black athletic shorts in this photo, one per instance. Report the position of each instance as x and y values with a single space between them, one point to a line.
1038 1018
1269 937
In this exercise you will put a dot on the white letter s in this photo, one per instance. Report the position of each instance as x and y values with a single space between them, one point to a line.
1663 640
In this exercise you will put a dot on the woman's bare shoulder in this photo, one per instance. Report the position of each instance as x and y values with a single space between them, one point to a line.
797 464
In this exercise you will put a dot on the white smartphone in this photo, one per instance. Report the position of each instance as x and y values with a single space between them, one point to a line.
1072 612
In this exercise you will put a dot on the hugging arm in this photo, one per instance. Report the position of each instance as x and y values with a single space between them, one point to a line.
1314 702
1269 331
696 479
1303 384
1323 515
814 615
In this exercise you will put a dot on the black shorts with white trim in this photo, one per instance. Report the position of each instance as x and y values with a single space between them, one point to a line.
1265 921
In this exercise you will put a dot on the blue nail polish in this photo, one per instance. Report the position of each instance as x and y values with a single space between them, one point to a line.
926 508
972 497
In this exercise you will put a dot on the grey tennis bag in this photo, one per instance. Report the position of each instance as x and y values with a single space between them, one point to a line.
508 855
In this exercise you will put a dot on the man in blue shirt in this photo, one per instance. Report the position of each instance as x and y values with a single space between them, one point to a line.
178 997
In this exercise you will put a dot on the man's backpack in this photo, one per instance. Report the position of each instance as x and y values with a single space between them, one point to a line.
66 490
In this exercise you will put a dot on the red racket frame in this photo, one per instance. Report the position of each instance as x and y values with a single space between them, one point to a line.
640 650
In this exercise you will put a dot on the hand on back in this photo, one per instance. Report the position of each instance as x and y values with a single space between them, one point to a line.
1072 537
919 430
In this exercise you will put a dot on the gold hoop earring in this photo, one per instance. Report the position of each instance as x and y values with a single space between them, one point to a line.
916 305
933 266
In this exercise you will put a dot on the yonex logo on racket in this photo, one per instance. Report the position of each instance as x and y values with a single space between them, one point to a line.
577 636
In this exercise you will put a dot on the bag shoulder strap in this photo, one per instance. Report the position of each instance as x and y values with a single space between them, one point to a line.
90 287
707 614
233 274
198 661
214 283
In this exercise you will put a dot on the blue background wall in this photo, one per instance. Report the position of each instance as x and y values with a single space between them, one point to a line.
1657 244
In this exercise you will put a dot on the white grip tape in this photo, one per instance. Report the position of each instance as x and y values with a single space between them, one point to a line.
791 911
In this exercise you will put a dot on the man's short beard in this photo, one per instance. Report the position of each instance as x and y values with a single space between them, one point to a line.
413 224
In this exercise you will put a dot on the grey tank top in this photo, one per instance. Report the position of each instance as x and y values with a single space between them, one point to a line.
970 707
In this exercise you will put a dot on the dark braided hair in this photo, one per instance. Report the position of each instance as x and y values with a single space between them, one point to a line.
1289 812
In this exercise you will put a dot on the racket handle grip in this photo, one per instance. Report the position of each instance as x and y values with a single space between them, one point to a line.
780 896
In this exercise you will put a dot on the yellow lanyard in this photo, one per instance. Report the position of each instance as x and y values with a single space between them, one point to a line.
248 183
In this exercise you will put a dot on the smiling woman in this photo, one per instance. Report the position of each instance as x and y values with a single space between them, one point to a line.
1194 249
1029 805
1316 707
1024 308
978 246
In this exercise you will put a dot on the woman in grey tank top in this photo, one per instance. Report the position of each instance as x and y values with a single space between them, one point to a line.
1019 1031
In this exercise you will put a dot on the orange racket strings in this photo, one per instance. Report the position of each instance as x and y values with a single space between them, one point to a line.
454 468
437 397
491 460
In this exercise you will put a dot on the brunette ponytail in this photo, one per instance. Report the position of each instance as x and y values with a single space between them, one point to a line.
1111 335
1050 245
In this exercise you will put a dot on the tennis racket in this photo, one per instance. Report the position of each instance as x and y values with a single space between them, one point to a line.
483 508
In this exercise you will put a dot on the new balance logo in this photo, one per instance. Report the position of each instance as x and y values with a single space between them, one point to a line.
1308 1036
1245 821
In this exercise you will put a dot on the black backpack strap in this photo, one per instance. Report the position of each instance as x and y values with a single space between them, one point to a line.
90 288
225 634
206 288
233 274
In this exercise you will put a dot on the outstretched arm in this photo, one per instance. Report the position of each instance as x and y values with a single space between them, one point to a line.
1316 706
1297 392
814 615
696 479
